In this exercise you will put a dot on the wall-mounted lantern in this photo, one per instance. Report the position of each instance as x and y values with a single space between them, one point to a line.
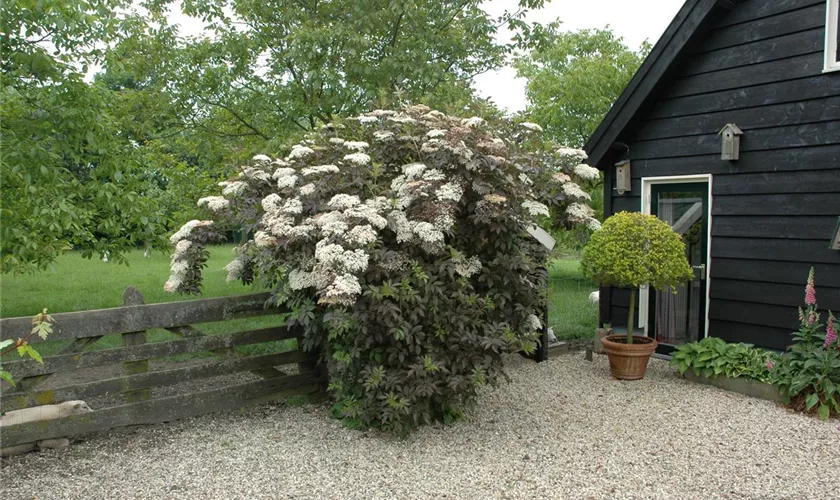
834 243
730 141
622 177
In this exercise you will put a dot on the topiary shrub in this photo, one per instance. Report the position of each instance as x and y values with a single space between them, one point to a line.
398 240
633 250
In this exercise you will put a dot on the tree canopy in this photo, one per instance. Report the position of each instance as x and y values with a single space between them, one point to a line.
114 163
574 77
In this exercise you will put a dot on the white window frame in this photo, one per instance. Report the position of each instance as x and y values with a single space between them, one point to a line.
832 11
644 293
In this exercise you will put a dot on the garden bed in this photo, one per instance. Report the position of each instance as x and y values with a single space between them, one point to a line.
745 386
561 429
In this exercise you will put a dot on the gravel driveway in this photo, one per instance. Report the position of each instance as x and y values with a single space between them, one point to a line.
561 429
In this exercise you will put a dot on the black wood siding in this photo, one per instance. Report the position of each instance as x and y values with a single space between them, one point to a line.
759 66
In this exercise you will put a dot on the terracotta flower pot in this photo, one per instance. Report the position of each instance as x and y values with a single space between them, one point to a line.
628 361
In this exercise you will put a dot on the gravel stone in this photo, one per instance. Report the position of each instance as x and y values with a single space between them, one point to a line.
561 429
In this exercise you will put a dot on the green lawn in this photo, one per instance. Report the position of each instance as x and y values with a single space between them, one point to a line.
569 312
77 284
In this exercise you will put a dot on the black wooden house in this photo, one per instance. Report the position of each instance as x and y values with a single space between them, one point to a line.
756 80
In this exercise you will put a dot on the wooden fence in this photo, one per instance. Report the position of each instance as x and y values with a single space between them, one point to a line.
135 383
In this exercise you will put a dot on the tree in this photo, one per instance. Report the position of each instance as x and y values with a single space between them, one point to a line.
71 178
574 77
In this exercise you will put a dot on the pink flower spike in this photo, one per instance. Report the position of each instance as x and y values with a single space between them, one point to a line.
830 332
769 364
810 291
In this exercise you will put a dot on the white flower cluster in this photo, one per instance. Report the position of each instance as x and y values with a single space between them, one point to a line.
356 145
535 208
261 159
449 192
534 323
533 127
319 169
574 191
307 189
336 140
178 267
300 152
361 235
233 188
578 212
435 133
343 201
586 172
468 267
383 135
214 203
473 122
187 229
366 120
358 158
574 153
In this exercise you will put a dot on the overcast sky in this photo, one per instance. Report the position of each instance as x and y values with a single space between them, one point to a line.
634 20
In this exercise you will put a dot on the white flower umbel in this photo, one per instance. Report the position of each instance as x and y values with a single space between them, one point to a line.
534 323
299 152
383 135
234 269
473 122
356 145
593 224
272 203
361 235
533 127
261 159
367 120
449 192
561 177
495 199
435 133
400 224
319 169
434 175
235 188
535 208
342 291
578 154
586 172
298 280
287 182
181 248
413 170
468 267
343 201
264 240
427 232
382 112
256 174
292 206
574 191
307 189
214 203
283 172
578 212
369 213
358 159
407 120
336 140
188 228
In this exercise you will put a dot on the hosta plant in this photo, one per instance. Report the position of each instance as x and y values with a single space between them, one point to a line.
712 357
398 239
808 374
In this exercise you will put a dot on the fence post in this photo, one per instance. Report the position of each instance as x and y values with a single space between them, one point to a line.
133 297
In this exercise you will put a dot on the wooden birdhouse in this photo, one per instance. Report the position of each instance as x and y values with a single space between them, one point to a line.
730 141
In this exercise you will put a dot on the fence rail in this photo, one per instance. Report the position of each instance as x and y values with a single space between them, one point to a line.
136 381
